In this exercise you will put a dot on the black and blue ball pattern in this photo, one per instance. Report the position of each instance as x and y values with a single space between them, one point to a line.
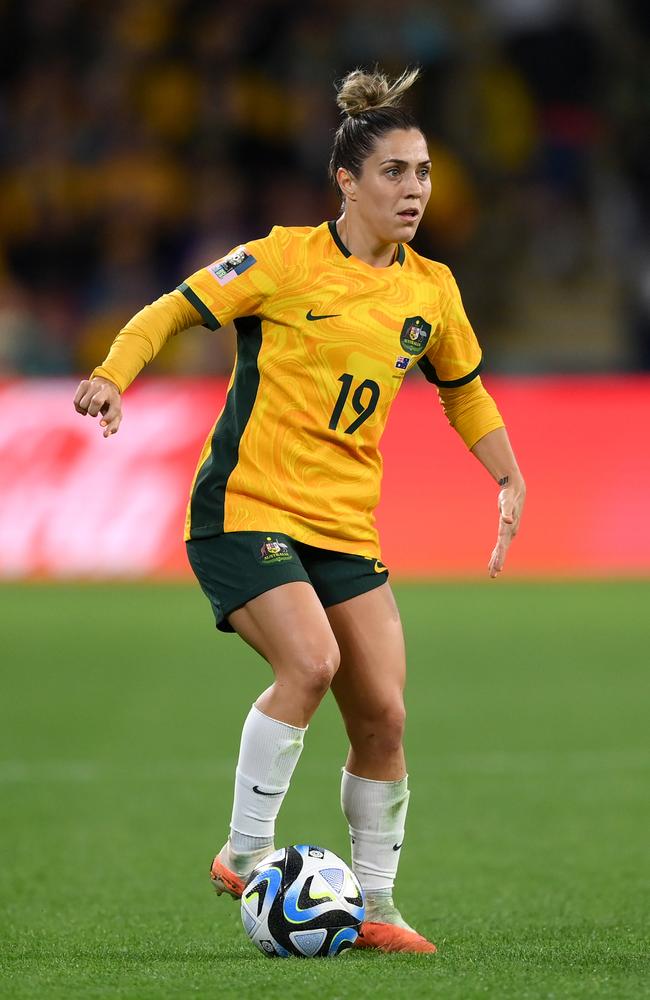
303 901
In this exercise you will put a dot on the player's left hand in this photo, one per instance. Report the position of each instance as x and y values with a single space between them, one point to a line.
511 503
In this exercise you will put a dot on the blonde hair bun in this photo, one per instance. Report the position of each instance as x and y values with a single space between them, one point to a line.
360 91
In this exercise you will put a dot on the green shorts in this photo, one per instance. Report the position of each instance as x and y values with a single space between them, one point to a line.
237 566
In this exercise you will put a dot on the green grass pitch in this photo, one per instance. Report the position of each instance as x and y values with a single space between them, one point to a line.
526 856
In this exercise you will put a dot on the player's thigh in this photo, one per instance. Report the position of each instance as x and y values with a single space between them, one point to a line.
258 586
370 680
288 627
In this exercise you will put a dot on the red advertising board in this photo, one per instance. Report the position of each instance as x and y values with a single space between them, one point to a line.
73 504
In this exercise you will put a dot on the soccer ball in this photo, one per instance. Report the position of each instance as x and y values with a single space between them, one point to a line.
302 901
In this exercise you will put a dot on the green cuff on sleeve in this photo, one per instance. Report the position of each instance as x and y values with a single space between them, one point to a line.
431 375
209 319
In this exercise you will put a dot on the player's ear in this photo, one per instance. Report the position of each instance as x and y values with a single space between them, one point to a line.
346 183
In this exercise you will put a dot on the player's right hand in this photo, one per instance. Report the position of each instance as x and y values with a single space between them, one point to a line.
99 396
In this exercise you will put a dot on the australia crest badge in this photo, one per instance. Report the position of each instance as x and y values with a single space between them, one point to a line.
415 335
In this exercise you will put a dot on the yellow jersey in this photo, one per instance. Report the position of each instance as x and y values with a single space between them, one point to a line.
324 342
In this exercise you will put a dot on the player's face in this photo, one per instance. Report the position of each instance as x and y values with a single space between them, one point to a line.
394 186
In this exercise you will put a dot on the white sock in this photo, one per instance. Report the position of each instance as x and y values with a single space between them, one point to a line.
268 754
376 814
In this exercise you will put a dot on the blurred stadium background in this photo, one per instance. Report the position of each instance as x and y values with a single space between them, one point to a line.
141 139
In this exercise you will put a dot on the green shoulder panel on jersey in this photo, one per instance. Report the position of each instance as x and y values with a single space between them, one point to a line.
207 505
209 319
431 375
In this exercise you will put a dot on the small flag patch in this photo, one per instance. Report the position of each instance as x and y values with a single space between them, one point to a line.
402 362
231 267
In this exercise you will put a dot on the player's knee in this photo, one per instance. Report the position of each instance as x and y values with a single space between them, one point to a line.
380 732
391 727
316 670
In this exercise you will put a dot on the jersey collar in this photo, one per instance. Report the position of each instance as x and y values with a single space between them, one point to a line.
399 256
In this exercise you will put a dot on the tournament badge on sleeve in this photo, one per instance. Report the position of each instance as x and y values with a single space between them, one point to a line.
231 267
415 335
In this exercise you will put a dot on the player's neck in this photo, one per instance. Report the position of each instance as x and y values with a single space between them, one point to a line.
364 244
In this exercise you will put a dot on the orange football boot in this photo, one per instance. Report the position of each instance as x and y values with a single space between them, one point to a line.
392 937
224 880
230 871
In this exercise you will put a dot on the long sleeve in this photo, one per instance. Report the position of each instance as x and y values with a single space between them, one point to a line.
144 335
470 410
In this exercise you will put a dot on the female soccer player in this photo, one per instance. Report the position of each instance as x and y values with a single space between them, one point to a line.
280 529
